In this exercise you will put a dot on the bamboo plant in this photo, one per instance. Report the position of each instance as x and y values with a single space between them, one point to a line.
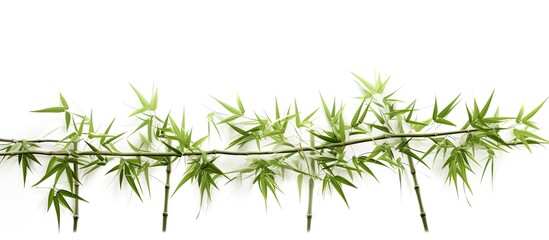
313 146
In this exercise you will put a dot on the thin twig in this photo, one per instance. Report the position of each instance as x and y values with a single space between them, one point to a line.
31 141
239 153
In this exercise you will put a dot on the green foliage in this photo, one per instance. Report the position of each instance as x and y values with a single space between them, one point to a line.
57 197
264 173
202 170
392 130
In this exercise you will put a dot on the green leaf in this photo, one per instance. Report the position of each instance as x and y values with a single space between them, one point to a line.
229 119
175 150
144 103
486 106
57 211
63 201
444 121
435 109
50 172
80 129
337 186
154 100
111 139
50 198
239 130
130 179
63 102
240 106
299 184
449 107
106 133
519 116
67 120
326 110
325 138
533 112
139 111
90 125
51 110
94 149
229 108
344 181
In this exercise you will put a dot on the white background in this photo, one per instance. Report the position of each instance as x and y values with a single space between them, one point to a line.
191 51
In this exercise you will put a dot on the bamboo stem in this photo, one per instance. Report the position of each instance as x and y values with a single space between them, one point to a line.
166 196
32 141
237 153
311 187
310 205
418 195
76 190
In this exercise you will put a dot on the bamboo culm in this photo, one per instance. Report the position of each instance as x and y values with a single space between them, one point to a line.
418 195
76 215
166 196
310 204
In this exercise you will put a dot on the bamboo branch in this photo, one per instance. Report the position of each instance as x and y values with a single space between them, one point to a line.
238 153
166 196
418 194
31 141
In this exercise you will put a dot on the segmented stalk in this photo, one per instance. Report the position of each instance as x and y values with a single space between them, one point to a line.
310 204
418 194
76 189
166 196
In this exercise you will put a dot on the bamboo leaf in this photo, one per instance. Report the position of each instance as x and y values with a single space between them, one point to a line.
519 116
325 138
67 120
94 149
90 125
175 150
63 102
435 109
326 110
337 186
444 121
533 112
344 181
449 107
229 107
154 101
240 106
51 110
63 202
50 172
299 185
57 211
102 140
144 103
486 106
50 198
229 119
111 139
